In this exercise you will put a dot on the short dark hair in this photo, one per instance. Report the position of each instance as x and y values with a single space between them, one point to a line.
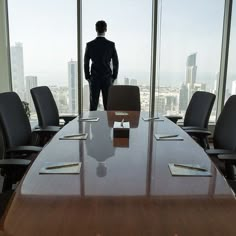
101 26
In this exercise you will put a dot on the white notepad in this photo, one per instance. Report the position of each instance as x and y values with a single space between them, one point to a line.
185 171
61 168
121 125
82 136
168 137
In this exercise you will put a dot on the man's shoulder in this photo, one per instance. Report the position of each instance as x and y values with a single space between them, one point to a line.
91 42
110 43
99 40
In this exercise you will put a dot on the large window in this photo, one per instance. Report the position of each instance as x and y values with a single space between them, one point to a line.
231 78
43 42
129 26
190 50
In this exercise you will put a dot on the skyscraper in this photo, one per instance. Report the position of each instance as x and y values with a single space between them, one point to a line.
86 97
191 70
73 86
133 82
17 70
233 89
183 98
191 74
126 81
31 82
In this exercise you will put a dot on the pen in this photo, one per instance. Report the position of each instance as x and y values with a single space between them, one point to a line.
190 167
122 123
62 166
152 118
73 135
88 118
169 136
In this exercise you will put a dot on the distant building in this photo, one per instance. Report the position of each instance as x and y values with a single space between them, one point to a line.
160 103
191 69
199 87
191 75
171 102
126 81
133 82
183 98
73 86
31 82
215 89
233 89
86 97
17 70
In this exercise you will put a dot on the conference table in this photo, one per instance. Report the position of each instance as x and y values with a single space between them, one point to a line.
125 186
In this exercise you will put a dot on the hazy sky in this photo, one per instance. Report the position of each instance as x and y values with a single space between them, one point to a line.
47 29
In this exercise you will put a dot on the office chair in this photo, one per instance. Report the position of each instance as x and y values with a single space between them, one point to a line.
197 115
18 141
224 139
198 111
11 169
4 199
46 108
123 98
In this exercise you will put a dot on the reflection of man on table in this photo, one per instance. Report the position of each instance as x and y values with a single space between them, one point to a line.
99 144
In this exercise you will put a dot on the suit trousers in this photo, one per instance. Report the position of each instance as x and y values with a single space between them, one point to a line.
96 85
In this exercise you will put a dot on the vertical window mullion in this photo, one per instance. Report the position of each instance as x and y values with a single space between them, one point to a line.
224 55
79 59
153 56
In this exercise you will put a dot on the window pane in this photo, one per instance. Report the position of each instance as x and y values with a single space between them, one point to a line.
43 42
190 50
129 26
231 75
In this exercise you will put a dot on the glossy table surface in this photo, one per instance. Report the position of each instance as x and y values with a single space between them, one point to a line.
124 188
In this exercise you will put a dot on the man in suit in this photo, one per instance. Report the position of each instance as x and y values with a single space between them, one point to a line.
102 74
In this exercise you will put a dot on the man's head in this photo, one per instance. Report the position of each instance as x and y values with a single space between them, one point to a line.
101 27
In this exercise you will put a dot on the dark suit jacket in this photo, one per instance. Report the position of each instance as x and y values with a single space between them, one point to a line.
101 52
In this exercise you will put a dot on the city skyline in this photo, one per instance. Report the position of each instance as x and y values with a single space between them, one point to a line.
169 100
50 46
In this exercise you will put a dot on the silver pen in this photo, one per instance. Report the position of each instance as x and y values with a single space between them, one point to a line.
152 118
169 136
190 167
73 135
62 166
88 118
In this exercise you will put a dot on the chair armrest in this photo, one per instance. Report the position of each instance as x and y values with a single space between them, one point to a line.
227 157
215 152
24 149
10 163
200 133
47 129
193 128
67 118
174 118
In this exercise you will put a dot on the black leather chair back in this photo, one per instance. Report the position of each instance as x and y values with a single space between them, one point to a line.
2 144
14 121
123 98
199 109
46 107
225 129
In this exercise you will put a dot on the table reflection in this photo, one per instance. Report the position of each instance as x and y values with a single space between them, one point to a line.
99 144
